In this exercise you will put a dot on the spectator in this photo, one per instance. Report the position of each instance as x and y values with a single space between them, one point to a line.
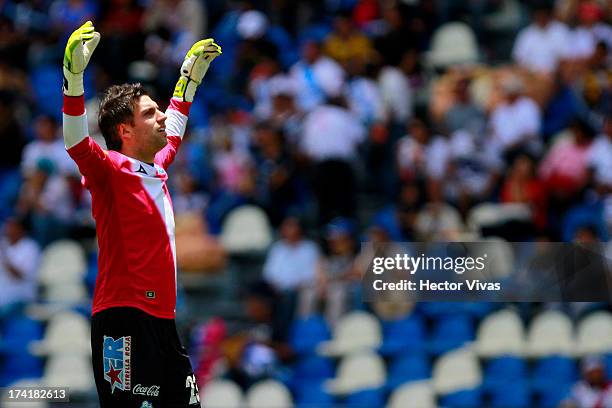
600 162
540 46
315 76
291 261
594 389
337 277
48 146
46 199
330 139
398 86
346 43
522 186
19 257
464 114
363 95
564 169
422 156
515 122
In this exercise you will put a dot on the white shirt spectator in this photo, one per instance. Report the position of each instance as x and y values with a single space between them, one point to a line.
396 94
365 100
54 151
540 49
313 83
331 132
24 255
514 123
431 159
600 160
585 396
289 267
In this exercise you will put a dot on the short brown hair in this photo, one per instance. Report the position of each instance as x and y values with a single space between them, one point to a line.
117 107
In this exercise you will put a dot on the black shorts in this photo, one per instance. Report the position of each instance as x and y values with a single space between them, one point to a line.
139 362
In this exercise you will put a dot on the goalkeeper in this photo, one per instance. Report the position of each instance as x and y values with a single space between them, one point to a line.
137 356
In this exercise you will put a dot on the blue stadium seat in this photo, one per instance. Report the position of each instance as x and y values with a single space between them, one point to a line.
313 367
403 335
19 365
405 368
551 371
306 334
18 332
608 364
502 371
365 398
551 397
312 394
45 79
463 399
515 394
451 332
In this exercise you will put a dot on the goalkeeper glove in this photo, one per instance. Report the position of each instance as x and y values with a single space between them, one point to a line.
80 46
194 68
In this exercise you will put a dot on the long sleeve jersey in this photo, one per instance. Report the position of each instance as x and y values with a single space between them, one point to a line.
133 211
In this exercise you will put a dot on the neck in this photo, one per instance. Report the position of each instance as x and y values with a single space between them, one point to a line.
138 155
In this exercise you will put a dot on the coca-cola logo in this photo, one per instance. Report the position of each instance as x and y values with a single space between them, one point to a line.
150 391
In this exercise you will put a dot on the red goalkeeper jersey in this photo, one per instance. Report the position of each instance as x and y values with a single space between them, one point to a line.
134 217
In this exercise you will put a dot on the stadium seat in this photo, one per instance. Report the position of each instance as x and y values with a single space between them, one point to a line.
490 215
403 335
18 332
68 294
501 258
455 371
356 372
501 371
356 331
268 394
15 366
62 262
552 371
307 333
550 333
313 367
501 333
515 394
594 334
69 370
311 393
450 333
407 367
453 43
553 396
365 399
222 394
67 333
246 229
415 394
469 398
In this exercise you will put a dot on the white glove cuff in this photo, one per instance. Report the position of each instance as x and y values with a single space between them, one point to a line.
73 83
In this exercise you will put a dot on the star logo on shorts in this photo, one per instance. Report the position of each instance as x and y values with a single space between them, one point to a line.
114 376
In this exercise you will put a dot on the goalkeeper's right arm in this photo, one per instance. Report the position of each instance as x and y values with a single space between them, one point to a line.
80 47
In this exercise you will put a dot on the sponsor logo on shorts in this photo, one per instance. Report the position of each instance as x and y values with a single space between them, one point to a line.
117 356
149 391
146 404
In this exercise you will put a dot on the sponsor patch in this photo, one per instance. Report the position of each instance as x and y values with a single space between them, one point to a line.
117 362
148 390
146 404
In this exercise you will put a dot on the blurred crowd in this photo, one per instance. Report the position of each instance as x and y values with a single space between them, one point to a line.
344 120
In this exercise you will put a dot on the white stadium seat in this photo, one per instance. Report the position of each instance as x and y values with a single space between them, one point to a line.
501 333
358 371
356 331
551 333
246 229
456 370
67 333
222 394
413 394
594 334
269 394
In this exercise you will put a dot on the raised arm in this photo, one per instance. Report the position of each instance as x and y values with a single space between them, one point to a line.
194 67
80 47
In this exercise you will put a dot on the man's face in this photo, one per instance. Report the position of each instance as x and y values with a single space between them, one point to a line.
148 128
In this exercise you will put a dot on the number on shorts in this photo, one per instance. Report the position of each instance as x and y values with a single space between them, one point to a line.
190 383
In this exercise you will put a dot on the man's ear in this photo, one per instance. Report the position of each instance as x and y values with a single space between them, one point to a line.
124 130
